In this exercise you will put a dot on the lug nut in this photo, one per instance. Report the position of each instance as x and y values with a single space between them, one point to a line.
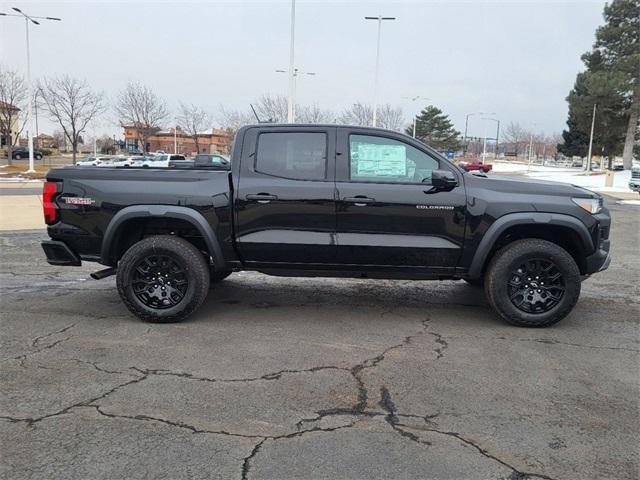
530 291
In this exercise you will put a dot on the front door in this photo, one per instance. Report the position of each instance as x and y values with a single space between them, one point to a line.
285 205
388 213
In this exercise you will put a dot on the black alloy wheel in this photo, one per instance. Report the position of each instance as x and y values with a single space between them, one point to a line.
159 282
536 286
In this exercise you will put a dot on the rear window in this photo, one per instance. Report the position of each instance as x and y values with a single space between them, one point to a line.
295 155
177 157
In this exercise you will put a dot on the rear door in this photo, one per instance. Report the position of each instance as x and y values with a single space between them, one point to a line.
388 213
285 205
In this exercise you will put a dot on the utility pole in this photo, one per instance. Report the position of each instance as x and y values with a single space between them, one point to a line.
30 126
379 19
175 139
292 79
593 123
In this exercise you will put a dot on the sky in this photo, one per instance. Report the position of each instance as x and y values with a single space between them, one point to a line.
515 58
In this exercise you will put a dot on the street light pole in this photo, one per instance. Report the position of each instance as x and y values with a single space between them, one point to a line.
593 123
28 19
497 131
292 94
415 117
292 79
379 19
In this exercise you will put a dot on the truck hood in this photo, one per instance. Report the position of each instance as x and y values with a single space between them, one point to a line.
528 186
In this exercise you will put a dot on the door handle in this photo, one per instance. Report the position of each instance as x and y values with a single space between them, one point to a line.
359 201
261 197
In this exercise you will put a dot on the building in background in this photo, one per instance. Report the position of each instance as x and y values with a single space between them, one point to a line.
9 133
213 140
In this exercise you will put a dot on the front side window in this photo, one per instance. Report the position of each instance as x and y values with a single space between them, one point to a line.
379 159
295 155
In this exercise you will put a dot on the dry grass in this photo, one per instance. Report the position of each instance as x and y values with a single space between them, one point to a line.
19 171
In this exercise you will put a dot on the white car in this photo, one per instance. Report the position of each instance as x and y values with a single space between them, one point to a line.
92 161
125 162
162 160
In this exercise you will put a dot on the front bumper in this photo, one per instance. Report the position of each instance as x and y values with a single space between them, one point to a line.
600 260
59 253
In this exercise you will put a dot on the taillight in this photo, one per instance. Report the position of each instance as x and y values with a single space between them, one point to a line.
49 191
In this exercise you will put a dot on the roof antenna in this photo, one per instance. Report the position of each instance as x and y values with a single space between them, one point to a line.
254 112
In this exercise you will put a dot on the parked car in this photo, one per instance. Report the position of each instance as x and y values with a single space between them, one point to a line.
203 161
91 161
576 164
125 161
313 200
634 182
617 165
162 160
23 152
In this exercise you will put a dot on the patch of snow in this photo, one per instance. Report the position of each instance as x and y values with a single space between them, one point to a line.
628 202
591 182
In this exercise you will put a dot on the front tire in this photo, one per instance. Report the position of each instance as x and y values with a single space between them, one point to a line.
17 157
532 283
163 279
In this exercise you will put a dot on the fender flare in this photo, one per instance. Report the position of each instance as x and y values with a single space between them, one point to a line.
190 215
532 218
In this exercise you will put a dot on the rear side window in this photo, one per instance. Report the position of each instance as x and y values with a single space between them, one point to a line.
177 157
295 155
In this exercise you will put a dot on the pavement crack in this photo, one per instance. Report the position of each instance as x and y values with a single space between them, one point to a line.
392 417
35 341
85 403
516 473
443 345
246 463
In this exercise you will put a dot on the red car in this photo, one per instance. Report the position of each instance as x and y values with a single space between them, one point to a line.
476 165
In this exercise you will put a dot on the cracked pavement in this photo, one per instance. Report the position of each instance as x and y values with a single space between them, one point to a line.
280 378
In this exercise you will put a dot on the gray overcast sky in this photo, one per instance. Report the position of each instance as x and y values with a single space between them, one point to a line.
516 58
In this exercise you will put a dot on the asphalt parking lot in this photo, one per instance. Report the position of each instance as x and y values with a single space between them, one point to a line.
316 378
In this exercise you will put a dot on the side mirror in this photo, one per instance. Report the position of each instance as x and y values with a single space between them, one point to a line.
443 179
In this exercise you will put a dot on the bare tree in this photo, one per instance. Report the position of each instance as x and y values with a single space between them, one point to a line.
515 136
139 107
359 114
193 120
314 114
388 116
73 104
13 98
231 120
272 108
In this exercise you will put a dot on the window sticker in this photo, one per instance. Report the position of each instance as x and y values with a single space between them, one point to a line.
375 160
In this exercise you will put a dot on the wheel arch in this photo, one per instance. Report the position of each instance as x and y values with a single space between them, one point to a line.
563 230
148 212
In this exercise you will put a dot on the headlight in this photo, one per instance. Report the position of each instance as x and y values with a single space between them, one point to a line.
591 205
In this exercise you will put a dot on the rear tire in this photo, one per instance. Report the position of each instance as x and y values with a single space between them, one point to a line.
532 283
17 157
163 279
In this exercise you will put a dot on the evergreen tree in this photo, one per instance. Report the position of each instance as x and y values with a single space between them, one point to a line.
612 81
435 129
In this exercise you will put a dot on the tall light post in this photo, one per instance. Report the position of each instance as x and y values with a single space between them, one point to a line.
497 131
379 19
291 114
33 20
593 124
466 126
292 79
415 117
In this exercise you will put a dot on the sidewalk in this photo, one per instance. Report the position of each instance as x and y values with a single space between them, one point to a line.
21 212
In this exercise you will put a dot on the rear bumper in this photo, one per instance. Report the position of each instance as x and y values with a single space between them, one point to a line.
58 253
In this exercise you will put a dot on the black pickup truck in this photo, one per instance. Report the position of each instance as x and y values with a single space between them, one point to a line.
327 200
